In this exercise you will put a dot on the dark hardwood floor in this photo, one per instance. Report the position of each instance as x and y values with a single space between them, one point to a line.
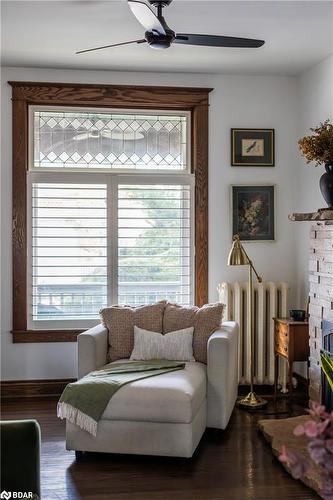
233 464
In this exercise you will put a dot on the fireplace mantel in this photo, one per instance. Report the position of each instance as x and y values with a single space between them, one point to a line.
322 214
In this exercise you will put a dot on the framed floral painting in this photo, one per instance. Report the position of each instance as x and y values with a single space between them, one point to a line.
253 212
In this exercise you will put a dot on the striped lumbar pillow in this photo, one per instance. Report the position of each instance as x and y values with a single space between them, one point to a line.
177 346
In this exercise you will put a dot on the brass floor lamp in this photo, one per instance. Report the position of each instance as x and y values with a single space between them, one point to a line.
239 257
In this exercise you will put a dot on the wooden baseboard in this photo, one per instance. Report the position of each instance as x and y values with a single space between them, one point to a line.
32 388
54 387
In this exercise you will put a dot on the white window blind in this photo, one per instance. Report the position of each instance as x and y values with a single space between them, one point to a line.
154 243
69 250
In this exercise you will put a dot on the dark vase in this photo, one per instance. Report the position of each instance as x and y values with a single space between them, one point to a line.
326 185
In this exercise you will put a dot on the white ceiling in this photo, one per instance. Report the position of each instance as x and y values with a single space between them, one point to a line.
298 34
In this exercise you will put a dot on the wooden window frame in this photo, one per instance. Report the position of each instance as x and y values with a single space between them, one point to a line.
195 100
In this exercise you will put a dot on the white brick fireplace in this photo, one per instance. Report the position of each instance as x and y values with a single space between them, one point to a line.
321 296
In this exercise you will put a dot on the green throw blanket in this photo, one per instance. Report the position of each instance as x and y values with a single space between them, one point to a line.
83 402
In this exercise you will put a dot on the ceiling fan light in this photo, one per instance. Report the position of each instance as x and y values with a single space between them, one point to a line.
160 45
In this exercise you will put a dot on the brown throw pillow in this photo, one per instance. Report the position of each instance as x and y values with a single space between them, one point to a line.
120 321
205 320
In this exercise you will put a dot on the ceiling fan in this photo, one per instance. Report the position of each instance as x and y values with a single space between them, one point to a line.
160 36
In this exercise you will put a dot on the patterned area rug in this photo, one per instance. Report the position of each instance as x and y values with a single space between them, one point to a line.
279 432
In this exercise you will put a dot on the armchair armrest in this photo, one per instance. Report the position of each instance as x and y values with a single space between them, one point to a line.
92 349
222 374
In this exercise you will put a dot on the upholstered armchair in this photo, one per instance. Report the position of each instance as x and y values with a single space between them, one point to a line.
166 414
20 453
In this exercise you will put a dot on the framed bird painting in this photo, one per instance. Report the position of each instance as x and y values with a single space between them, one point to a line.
252 147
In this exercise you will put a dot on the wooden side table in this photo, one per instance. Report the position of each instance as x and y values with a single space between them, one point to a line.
291 341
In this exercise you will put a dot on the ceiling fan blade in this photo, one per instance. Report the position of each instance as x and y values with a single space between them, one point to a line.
146 17
113 45
217 41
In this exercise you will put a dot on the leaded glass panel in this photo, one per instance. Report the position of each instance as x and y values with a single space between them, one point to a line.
92 139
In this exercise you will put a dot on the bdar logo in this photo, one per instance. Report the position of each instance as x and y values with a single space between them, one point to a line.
5 494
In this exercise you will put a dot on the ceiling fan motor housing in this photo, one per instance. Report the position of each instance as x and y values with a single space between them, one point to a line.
158 41
162 3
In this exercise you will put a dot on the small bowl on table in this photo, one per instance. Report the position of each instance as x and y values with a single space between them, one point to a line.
297 314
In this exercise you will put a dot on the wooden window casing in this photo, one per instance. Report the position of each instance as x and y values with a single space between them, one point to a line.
24 94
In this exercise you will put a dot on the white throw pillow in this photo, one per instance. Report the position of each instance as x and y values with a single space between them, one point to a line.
177 346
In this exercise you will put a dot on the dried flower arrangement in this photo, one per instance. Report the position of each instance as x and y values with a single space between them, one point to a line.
318 147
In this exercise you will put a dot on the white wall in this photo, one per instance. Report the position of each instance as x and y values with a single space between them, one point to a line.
315 105
237 101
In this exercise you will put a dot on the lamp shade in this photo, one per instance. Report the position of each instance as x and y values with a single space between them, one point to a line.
237 255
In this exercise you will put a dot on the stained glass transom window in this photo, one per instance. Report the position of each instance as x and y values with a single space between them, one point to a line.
99 140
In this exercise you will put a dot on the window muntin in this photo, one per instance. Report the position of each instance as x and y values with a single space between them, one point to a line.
68 138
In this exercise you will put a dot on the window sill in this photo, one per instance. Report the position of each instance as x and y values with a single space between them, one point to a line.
36 336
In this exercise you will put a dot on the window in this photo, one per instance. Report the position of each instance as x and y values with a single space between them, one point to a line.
101 238
110 198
